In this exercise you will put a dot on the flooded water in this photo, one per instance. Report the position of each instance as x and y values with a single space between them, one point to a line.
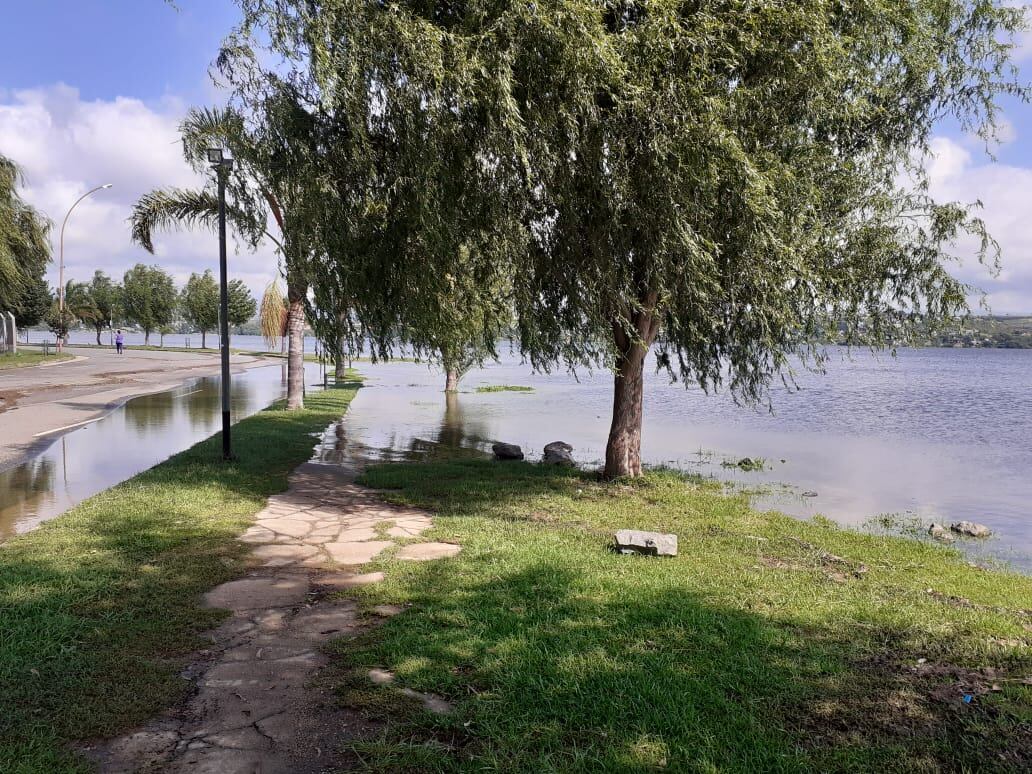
140 434
934 434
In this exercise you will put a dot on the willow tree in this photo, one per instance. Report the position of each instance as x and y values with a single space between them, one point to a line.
393 186
723 181
24 249
258 190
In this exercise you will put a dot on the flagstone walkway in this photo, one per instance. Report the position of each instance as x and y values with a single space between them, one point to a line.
254 708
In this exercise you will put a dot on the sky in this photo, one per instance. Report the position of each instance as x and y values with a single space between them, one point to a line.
92 91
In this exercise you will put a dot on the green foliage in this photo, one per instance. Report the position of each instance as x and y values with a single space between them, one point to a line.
100 608
723 182
32 303
149 298
95 303
24 250
199 303
242 306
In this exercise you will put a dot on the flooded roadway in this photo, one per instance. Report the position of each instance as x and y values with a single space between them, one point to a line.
138 435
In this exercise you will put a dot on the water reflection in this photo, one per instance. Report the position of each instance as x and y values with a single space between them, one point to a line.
140 434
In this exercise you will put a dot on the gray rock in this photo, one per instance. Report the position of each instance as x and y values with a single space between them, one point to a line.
630 541
971 529
558 453
507 451
939 532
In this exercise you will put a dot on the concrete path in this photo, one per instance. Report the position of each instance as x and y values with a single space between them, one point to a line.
45 399
255 708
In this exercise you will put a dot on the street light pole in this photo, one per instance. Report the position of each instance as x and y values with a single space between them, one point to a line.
60 276
222 166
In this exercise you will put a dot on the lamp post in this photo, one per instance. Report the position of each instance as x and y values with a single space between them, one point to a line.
60 277
222 164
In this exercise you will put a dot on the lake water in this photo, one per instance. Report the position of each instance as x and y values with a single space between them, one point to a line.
932 434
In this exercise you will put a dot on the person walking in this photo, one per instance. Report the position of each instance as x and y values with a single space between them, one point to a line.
119 342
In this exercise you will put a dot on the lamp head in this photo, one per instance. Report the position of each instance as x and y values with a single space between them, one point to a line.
107 185
215 155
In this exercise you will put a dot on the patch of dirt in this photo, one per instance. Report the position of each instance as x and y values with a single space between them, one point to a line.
9 399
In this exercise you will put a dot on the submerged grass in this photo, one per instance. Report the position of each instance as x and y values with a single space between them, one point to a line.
99 607
768 644
505 388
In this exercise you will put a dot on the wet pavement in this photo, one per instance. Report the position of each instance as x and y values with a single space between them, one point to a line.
69 467
45 400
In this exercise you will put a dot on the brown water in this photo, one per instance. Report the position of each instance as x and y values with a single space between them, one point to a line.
138 435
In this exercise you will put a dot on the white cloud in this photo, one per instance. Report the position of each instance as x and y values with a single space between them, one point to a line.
1005 192
67 146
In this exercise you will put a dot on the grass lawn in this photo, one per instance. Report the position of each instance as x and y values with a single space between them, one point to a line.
768 644
99 607
29 357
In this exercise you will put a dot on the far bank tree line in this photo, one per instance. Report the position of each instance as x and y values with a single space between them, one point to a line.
148 299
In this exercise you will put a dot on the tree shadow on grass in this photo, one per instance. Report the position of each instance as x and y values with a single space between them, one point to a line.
560 661
100 607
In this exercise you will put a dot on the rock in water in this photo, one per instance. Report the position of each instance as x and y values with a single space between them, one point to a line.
507 451
939 532
631 541
558 453
971 529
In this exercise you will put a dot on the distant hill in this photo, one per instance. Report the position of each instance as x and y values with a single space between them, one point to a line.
1005 332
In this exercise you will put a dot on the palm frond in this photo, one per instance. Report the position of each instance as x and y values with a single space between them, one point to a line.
273 315
171 209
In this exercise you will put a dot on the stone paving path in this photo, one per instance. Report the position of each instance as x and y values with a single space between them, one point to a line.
254 709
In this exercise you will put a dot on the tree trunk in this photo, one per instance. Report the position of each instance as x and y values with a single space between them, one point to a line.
451 383
203 341
339 369
146 337
623 450
295 346
98 336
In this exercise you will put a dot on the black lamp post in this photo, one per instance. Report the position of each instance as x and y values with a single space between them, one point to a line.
222 164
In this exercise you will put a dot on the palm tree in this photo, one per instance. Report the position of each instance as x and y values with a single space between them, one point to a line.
256 188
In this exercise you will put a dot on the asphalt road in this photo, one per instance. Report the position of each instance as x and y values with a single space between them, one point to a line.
39 401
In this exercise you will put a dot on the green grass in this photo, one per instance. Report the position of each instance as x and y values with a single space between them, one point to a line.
29 358
768 644
99 607
505 388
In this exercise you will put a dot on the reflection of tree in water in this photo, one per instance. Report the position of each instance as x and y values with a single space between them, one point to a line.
203 406
149 411
21 488
457 436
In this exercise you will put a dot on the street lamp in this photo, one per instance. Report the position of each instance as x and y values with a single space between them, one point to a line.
60 280
222 164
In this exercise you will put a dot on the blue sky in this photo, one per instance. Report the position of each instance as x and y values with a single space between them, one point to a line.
115 48
91 91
